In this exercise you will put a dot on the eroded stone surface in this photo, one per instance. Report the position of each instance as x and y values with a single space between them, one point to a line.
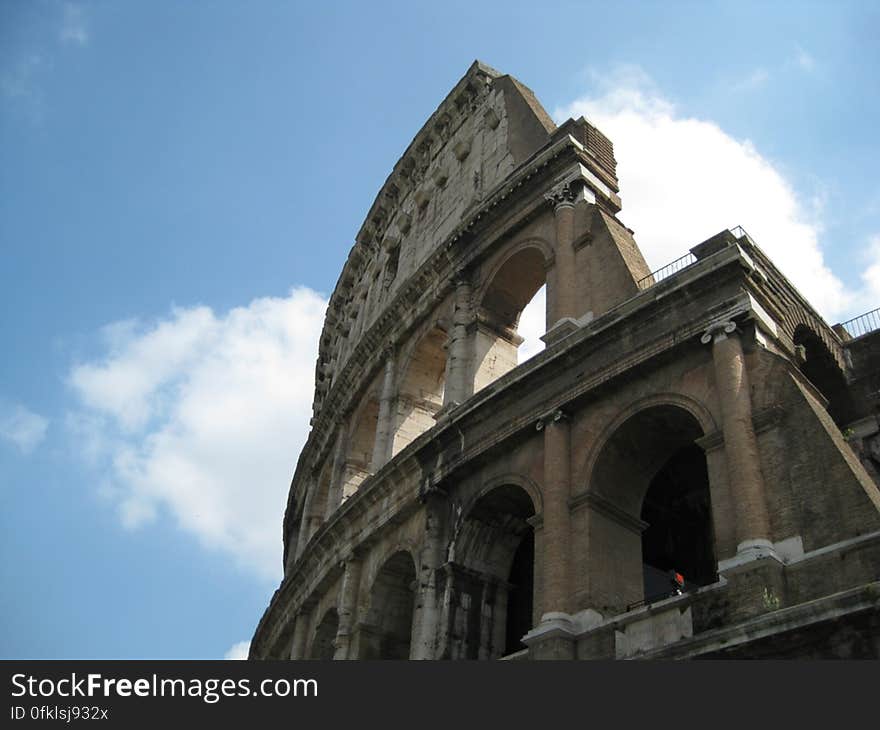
450 503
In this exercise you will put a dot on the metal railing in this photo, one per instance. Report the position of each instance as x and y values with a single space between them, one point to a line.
740 232
672 268
654 599
682 263
863 324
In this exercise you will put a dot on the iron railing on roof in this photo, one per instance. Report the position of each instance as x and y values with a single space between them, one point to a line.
863 324
683 262
664 271
740 232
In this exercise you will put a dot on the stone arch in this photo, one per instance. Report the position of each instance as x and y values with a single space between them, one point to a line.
361 442
400 545
422 381
506 292
386 631
490 572
325 636
798 320
818 364
543 247
650 504
315 506
527 484
698 410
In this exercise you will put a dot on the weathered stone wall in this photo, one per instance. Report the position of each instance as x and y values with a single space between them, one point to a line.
434 460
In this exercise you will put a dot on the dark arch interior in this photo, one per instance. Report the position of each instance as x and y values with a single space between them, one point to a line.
652 469
497 341
392 603
821 369
513 287
679 536
520 601
494 580
325 635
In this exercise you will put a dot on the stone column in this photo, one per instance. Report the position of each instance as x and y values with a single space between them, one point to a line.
740 445
385 422
459 368
484 651
555 635
562 198
431 580
499 619
347 608
556 515
300 633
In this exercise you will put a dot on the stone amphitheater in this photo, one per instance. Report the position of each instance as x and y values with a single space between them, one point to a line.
688 469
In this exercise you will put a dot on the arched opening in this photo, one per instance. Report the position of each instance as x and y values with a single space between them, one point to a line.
387 632
325 635
420 395
679 536
652 511
532 326
518 282
821 369
360 451
491 577
315 505
520 594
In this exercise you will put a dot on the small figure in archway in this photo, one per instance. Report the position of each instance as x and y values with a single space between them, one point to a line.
677 580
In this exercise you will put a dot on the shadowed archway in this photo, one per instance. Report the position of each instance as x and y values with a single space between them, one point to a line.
511 289
325 635
653 510
420 395
490 576
387 631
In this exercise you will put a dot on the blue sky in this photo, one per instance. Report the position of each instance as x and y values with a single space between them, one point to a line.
180 184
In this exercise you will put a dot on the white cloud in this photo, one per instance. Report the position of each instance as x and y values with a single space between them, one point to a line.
201 417
22 427
683 179
238 651
131 389
73 26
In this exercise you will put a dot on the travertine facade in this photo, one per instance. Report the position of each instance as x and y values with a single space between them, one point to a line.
700 420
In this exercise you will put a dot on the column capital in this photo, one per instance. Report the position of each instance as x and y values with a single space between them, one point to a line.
388 353
718 331
561 196
555 416
354 556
